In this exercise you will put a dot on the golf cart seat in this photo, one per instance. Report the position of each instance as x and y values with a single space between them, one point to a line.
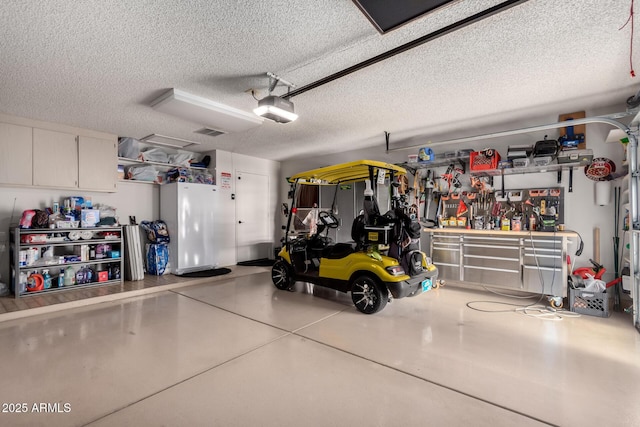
339 250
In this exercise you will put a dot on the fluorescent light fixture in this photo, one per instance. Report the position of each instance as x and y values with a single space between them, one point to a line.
168 141
277 109
205 112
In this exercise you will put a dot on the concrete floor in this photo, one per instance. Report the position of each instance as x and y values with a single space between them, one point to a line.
239 352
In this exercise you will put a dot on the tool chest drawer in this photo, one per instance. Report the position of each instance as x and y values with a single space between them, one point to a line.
527 261
445 254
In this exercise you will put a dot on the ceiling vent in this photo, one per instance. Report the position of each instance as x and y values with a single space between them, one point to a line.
205 112
209 132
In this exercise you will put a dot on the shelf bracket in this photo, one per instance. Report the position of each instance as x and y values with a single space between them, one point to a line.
409 168
386 138
559 180
570 180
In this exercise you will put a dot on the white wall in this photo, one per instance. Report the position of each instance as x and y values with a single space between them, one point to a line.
581 212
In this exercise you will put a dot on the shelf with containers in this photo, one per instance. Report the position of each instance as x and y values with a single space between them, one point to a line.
568 163
60 259
552 167
155 171
145 162
458 159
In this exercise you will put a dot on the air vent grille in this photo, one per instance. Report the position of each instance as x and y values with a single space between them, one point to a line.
209 132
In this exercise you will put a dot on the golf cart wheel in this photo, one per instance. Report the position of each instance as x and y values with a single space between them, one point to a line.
281 275
368 294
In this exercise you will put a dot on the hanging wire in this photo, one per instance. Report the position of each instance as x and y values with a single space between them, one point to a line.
630 19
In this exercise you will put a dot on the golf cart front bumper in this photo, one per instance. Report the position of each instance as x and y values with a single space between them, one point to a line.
414 286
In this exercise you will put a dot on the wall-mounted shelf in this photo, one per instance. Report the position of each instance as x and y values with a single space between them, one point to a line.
161 168
553 167
134 181
126 161
461 161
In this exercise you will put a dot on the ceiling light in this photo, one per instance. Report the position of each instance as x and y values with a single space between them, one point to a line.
277 109
168 141
205 112
274 107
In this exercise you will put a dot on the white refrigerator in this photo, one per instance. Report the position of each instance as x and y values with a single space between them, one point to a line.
190 211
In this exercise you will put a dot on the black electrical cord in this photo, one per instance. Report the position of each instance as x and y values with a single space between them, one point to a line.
580 245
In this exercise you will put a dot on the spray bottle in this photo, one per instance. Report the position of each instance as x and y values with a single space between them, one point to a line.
47 279
61 278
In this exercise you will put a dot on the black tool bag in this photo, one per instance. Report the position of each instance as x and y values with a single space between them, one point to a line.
547 147
411 262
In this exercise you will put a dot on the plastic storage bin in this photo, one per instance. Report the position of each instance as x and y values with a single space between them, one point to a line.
484 160
590 303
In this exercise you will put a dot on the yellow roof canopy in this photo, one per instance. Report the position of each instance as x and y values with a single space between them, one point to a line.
346 172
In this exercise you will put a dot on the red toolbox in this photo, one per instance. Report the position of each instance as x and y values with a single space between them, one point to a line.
483 160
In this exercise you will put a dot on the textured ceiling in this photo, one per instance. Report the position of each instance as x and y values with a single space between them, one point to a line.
98 64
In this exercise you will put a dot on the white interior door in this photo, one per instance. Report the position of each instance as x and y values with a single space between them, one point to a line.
253 236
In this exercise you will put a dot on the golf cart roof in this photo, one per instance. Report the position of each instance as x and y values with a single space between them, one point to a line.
345 172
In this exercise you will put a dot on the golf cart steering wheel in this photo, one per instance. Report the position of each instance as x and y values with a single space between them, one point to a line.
328 219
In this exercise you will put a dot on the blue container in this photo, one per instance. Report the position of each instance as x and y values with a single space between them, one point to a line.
157 258
426 154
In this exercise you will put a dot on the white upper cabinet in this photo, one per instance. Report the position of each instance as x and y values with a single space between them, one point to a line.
43 154
16 150
97 164
55 159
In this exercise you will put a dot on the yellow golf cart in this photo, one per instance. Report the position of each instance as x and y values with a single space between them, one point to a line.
383 259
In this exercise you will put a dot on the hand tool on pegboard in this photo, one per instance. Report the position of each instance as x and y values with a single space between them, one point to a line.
417 193
428 190
495 211
455 181
448 176
462 208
